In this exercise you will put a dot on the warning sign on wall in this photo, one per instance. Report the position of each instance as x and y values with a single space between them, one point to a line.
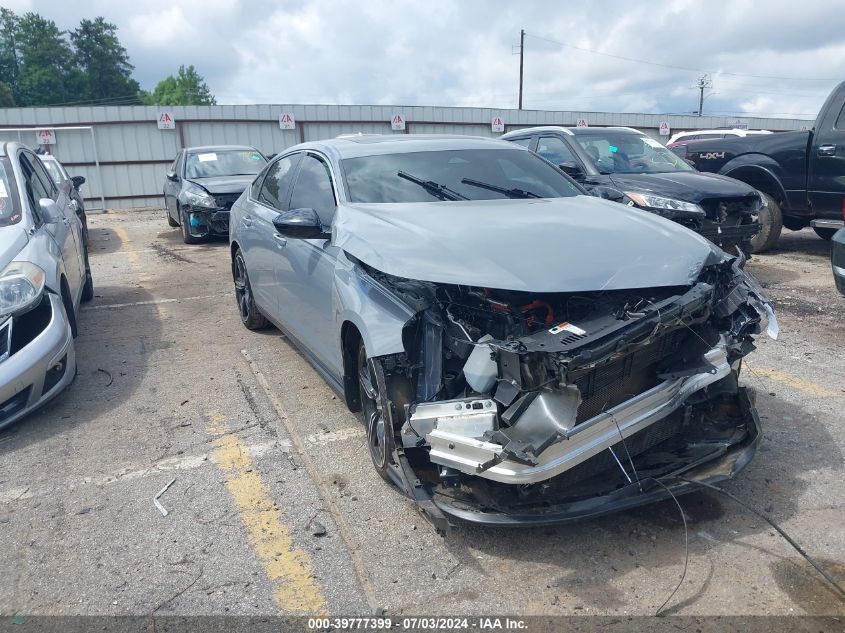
45 137
497 124
166 121
397 122
582 123
665 130
287 121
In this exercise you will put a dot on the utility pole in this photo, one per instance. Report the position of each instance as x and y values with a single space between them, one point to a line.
703 82
521 58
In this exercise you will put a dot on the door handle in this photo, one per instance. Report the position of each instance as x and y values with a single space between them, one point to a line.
246 220
280 240
827 150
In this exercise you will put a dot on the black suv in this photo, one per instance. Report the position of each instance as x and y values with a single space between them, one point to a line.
625 165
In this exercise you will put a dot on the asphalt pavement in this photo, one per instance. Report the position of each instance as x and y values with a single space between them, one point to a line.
274 507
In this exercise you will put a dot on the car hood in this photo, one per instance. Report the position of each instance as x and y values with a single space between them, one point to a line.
549 245
691 186
225 184
12 240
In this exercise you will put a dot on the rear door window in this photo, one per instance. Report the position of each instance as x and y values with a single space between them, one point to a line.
840 120
525 142
555 150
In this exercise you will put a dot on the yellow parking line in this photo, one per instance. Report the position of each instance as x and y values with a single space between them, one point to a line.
287 566
793 381
135 263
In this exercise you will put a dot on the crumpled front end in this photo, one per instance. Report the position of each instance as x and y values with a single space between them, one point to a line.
547 407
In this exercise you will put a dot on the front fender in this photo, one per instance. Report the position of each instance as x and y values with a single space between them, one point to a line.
375 311
759 171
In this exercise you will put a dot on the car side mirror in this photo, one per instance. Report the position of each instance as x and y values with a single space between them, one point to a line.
78 181
573 170
50 212
302 224
606 193
172 175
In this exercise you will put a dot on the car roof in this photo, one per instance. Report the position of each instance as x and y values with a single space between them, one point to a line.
572 131
354 146
219 148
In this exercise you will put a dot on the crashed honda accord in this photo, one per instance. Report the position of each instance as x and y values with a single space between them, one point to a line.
520 352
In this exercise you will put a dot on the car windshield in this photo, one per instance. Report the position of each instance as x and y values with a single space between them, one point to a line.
54 171
619 152
224 163
9 212
470 174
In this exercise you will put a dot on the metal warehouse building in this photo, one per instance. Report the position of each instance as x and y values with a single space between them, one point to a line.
123 153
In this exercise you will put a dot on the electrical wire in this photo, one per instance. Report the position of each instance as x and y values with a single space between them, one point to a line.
818 567
686 547
661 65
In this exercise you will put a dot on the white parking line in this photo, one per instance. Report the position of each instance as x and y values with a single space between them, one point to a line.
113 306
183 462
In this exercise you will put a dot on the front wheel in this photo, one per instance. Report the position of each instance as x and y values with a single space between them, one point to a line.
88 287
251 316
186 230
375 411
825 234
770 218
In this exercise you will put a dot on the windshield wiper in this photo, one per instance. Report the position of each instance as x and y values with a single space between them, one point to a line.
434 188
510 193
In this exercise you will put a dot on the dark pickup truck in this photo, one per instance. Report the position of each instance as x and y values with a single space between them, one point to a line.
801 174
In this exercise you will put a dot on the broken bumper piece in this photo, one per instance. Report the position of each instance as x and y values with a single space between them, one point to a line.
717 454
576 444
205 222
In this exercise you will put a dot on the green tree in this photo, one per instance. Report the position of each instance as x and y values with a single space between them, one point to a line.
7 99
105 71
187 88
46 63
8 48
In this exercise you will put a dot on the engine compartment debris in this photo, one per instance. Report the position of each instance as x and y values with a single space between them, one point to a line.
512 406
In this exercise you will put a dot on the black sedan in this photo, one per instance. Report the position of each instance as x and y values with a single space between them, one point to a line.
203 183
626 165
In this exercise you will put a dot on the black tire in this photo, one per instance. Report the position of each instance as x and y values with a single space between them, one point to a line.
375 413
771 224
825 234
170 221
251 316
186 235
88 288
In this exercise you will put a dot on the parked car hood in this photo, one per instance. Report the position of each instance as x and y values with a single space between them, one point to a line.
12 240
692 186
572 244
225 184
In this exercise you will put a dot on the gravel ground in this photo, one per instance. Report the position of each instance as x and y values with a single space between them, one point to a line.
276 509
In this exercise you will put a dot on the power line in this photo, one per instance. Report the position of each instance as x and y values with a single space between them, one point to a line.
661 65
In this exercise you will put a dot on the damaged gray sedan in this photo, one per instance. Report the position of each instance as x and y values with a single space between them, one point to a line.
520 352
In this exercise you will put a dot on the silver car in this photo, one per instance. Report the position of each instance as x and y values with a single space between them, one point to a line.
521 352
44 275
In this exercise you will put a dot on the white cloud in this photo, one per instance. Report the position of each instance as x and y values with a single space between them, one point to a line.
459 52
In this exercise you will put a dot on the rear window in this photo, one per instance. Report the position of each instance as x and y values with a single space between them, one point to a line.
54 171
211 164
462 174
9 211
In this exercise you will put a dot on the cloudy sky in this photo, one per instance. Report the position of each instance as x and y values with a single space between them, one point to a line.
773 58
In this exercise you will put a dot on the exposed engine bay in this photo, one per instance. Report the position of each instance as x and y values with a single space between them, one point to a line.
513 406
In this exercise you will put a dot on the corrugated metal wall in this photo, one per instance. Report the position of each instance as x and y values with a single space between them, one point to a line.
134 154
